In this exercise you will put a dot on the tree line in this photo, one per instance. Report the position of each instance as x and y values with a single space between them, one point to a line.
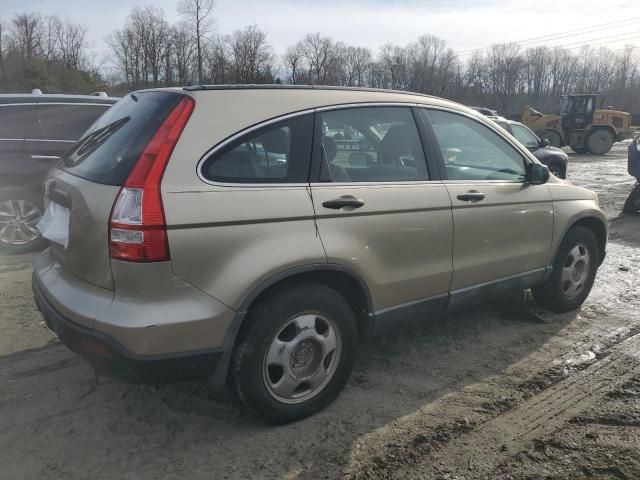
149 51
45 52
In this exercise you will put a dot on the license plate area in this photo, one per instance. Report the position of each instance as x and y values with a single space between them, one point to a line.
54 225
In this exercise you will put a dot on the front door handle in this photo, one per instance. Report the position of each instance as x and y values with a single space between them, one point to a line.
344 201
471 196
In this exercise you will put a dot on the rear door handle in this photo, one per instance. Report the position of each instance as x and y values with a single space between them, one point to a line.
45 157
471 196
344 201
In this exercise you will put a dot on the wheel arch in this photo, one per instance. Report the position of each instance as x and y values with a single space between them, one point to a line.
607 127
594 223
343 279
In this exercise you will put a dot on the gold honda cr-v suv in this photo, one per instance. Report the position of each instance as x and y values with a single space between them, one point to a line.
252 235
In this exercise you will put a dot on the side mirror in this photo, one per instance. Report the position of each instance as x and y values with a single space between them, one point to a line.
538 174
544 143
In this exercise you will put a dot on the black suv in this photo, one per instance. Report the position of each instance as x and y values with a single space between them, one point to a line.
554 158
35 131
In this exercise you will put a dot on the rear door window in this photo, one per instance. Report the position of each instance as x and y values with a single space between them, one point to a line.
16 121
111 147
67 121
371 144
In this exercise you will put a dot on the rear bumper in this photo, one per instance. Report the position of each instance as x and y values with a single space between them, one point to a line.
109 357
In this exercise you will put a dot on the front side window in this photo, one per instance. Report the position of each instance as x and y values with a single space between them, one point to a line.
371 144
472 151
276 153
525 136
67 122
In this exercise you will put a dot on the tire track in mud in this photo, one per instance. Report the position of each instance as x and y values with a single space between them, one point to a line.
513 413
543 413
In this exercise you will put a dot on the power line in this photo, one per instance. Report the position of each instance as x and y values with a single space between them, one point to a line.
602 38
565 34
602 44
584 33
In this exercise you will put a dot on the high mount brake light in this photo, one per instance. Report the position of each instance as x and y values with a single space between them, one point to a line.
137 227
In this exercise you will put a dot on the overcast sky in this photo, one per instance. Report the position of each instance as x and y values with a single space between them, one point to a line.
464 24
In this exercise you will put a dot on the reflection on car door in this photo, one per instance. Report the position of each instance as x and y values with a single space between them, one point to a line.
378 210
503 225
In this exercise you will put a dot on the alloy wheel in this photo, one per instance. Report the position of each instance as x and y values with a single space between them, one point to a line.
18 220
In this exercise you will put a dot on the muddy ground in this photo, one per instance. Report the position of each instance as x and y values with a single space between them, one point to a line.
503 391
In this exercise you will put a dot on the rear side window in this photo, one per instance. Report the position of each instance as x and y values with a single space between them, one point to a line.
16 121
276 153
111 147
67 122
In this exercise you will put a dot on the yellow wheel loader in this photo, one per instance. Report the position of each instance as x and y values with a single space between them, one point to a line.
580 125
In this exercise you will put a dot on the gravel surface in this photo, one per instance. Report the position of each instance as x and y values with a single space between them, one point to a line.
502 391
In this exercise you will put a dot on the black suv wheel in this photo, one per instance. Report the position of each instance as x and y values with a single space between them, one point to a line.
20 212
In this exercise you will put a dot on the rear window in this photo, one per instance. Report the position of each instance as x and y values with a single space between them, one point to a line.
67 121
110 148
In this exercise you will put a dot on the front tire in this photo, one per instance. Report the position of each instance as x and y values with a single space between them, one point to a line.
20 211
600 142
296 353
574 271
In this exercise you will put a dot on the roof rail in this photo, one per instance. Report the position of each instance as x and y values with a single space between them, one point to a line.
269 86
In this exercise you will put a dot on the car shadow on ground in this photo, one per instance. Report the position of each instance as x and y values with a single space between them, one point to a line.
182 429
624 228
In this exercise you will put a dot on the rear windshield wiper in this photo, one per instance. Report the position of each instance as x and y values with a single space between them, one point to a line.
92 141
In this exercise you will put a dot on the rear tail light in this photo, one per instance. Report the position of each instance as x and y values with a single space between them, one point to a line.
137 227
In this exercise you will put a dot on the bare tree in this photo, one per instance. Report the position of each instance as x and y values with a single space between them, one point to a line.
356 65
293 64
3 71
71 43
394 67
197 14
28 32
251 55
218 61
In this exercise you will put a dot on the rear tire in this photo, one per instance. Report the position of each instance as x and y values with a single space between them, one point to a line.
574 271
20 211
296 353
600 142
